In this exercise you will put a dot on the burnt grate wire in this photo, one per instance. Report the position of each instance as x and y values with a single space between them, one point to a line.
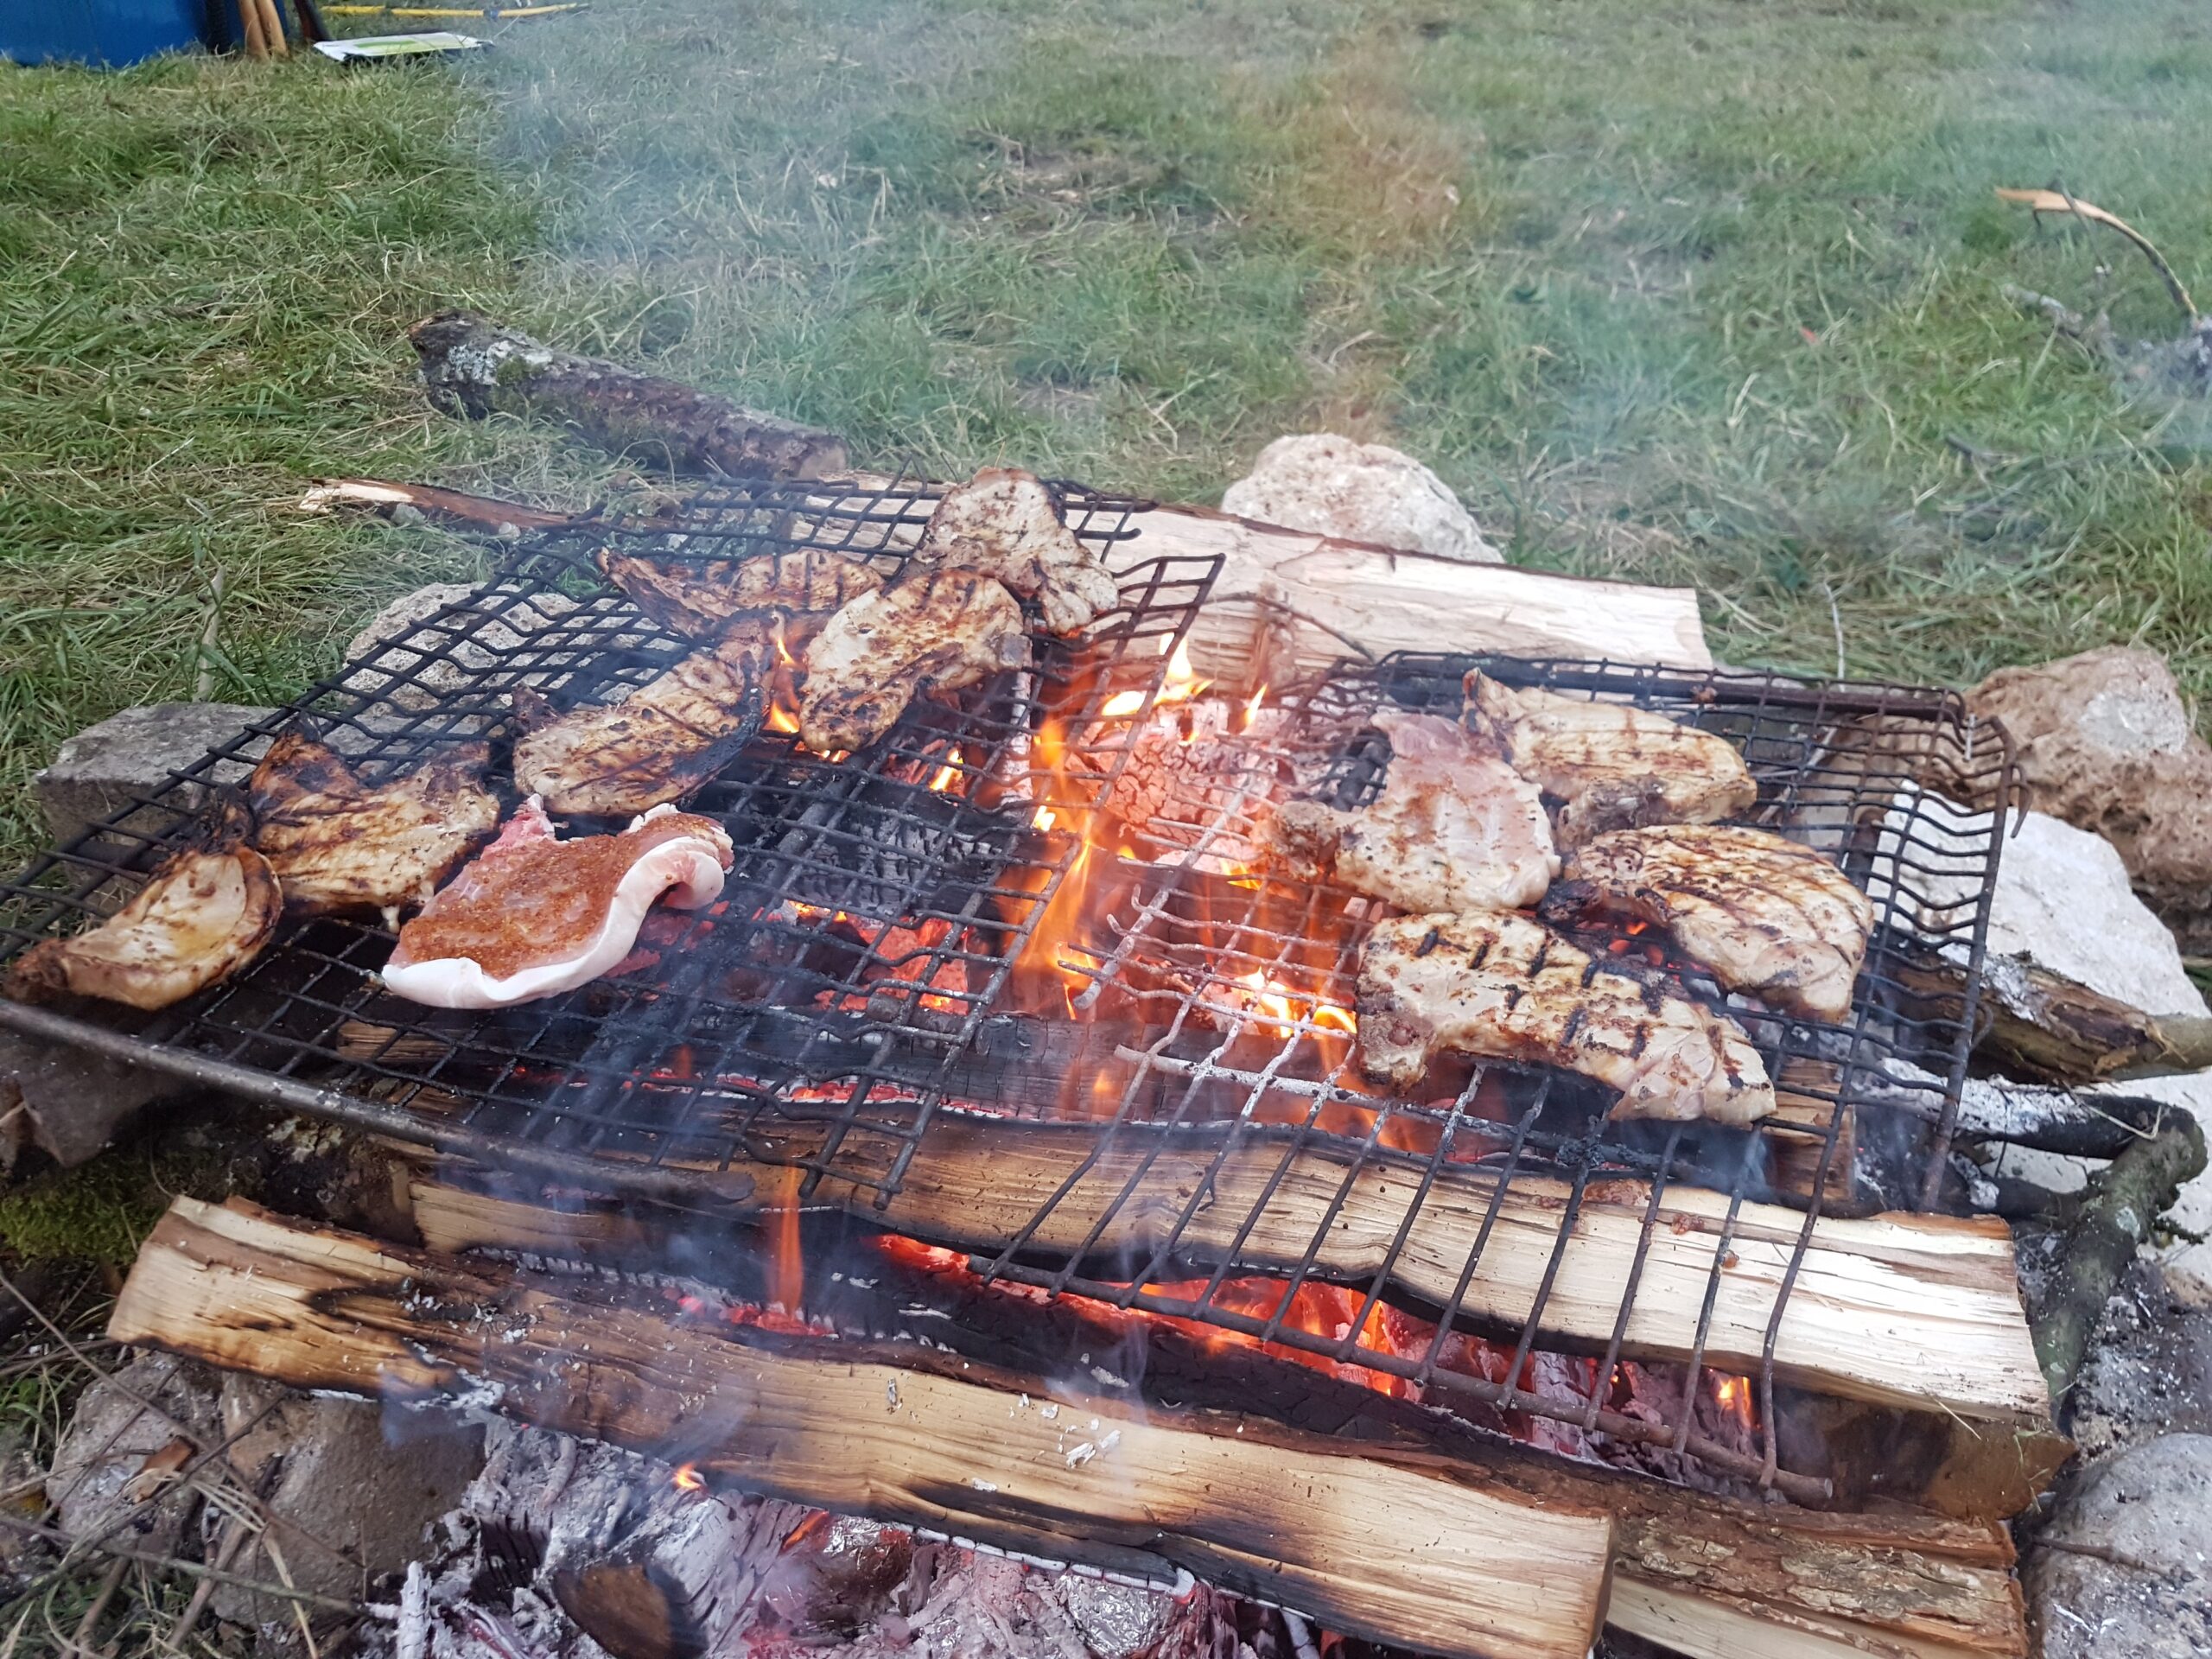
1237 987
877 903
852 1004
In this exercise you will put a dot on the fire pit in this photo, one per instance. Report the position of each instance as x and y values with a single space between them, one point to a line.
1014 993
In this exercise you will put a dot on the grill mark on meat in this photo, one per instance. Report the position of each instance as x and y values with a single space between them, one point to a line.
337 843
1004 524
702 600
1612 765
1669 1058
1766 914
932 630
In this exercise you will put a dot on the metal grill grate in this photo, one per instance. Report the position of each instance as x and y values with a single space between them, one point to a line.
1176 1032
877 903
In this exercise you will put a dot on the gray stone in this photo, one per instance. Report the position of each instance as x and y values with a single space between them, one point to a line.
351 1490
2124 1570
1335 485
68 1104
129 755
131 1433
412 666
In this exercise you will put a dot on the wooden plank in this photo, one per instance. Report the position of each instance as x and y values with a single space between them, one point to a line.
1464 1567
1824 1584
1279 586
1917 1311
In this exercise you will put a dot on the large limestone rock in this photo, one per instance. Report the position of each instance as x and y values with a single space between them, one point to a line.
131 755
2106 743
2123 1569
1335 485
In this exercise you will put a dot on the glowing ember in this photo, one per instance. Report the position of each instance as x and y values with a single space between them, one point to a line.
687 1478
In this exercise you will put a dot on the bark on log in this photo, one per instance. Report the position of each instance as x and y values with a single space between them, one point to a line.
1464 1566
2046 1028
476 367
2100 1237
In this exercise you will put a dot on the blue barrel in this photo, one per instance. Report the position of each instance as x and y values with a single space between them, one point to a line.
105 33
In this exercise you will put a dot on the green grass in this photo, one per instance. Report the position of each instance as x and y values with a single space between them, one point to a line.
1689 292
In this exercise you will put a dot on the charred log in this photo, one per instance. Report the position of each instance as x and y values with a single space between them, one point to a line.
1469 1567
476 367
2044 1026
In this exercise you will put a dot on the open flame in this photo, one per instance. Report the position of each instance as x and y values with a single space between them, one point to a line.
687 1478
945 780
1180 684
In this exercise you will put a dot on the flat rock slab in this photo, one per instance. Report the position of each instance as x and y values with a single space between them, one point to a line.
2124 1570
130 756
69 1104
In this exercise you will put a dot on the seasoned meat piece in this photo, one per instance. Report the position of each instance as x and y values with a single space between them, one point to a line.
663 741
702 600
1454 828
1615 766
932 630
204 915
1766 915
338 843
535 914
1503 987
1002 523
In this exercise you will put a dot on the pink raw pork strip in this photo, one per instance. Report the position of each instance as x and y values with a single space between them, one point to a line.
534 915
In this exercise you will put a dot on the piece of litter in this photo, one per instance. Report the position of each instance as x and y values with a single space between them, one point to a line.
370 47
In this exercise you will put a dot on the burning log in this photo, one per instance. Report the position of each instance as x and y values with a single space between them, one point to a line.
1464 1567
1916 1311
1707 1576
1289 604
478 368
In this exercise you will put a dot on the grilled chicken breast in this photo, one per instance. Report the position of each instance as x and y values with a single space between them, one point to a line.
535 914
1003 523
1614 766
1454 828
663 741
703 600
1767 915
337 843
934 629
1503 987
203 916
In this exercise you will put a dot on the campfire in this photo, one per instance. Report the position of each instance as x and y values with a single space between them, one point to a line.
999 1137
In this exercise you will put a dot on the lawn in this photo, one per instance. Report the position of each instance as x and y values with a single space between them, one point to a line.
1702 292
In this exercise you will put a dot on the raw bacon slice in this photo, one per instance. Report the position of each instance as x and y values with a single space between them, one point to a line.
535 915
205 914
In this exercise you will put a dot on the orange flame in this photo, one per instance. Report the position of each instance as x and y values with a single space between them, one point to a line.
947 775
687 1477
1180 685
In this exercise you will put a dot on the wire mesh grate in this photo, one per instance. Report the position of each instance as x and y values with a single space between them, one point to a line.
1025 923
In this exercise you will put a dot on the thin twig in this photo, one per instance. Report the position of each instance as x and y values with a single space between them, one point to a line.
178 1564
89 1625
